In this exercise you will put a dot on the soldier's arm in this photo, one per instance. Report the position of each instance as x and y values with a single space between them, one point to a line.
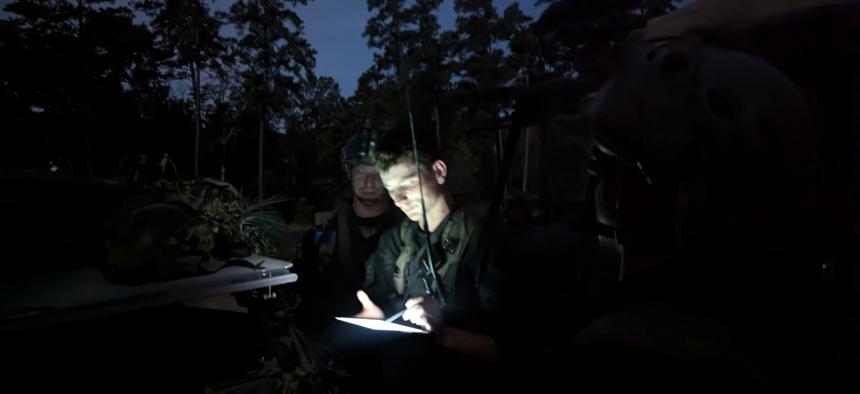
485 276
468 343
376 285
426 312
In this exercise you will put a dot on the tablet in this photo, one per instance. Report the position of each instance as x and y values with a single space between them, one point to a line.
381 325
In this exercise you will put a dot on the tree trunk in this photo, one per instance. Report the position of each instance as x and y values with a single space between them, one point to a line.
260 156
224 161
267 94
88 147
87 142
195 82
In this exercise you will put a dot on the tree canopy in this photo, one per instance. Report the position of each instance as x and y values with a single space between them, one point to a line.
233 94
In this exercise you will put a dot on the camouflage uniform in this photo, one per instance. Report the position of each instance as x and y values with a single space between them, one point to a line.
339 251
468 282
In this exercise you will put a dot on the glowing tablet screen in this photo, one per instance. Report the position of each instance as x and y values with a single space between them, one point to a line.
381 325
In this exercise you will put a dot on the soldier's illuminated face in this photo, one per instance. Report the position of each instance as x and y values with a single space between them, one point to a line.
401 181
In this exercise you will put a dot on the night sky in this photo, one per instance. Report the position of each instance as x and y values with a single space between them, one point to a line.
334 29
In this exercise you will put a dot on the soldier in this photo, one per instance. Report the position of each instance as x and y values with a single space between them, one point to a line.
452 294
706 161
344 243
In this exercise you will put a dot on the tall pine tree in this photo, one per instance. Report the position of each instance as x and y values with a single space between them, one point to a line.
188 30
408 58
274 60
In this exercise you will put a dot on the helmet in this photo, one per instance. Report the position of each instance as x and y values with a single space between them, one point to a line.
357 150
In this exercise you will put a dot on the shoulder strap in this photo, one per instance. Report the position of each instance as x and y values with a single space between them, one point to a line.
343 251
407 233
455 239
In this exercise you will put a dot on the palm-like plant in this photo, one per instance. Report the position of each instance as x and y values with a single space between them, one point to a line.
261 222
254 222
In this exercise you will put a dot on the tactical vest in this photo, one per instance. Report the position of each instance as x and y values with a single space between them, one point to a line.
455 237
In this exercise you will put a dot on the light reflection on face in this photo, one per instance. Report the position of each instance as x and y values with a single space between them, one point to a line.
401 181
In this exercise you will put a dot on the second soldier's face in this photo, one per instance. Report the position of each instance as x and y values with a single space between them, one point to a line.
366 185
401 181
